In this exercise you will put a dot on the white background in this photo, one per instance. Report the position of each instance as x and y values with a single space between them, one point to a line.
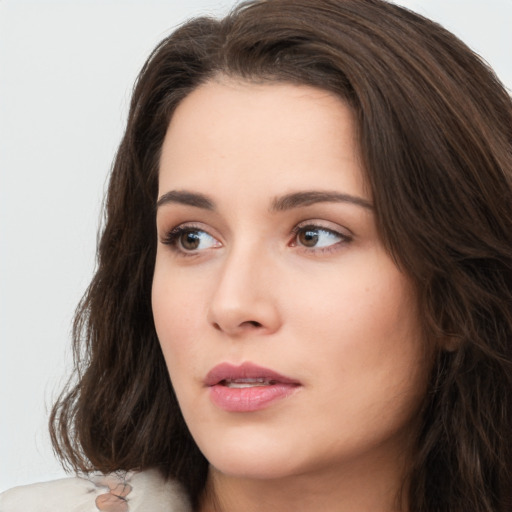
66 71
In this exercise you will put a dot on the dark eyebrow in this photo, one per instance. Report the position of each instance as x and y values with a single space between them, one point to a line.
298 199
279 204
187 198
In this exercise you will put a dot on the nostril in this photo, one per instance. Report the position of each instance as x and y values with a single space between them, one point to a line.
252 323
247 325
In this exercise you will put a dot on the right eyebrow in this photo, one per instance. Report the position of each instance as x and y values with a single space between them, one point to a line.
187 198
310 197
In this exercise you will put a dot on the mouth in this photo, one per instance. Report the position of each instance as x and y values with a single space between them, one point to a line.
247 387
245 375
247 383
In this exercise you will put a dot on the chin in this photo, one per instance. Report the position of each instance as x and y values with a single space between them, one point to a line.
251 456
254 468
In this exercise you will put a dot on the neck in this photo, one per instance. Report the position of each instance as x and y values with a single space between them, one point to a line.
356 486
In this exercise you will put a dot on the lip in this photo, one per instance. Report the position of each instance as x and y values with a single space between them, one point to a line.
247 399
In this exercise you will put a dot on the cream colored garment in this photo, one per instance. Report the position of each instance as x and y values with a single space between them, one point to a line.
146 491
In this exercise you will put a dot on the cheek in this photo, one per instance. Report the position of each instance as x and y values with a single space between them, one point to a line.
364 336
367 300
177 331
176 314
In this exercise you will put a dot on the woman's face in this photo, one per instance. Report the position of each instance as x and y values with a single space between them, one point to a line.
292 340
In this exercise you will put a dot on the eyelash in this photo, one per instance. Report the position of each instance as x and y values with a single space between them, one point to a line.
172 238
302 228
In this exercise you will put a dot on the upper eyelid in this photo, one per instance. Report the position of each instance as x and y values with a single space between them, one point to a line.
171 238
190 225
166 225
343 236
325 225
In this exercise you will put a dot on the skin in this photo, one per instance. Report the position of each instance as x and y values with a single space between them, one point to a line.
331 311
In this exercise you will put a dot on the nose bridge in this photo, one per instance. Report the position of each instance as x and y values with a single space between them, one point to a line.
244 296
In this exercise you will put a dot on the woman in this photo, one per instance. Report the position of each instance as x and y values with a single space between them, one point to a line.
309 229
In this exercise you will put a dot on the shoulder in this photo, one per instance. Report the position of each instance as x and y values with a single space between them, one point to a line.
116 492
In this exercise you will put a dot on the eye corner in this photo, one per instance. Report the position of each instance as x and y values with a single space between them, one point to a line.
318 237
189 239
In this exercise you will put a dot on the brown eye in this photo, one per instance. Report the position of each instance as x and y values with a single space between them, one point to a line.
190 240
316 237
308 237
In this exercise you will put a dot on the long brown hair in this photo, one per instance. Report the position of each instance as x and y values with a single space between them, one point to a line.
435 131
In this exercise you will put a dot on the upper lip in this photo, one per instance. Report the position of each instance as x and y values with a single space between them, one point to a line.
228 371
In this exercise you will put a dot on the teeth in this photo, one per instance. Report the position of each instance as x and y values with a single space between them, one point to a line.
240 385
247 383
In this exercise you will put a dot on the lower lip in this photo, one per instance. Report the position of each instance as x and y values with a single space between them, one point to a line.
249 399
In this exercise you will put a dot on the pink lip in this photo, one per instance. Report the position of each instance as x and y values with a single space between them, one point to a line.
247 399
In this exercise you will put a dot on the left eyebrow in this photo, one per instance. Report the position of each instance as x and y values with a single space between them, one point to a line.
298 199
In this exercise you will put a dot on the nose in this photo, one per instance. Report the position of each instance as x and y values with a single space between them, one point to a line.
244 300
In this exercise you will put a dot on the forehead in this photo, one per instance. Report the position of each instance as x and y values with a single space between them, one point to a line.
263 134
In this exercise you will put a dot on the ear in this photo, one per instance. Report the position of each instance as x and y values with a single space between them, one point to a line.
450 343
